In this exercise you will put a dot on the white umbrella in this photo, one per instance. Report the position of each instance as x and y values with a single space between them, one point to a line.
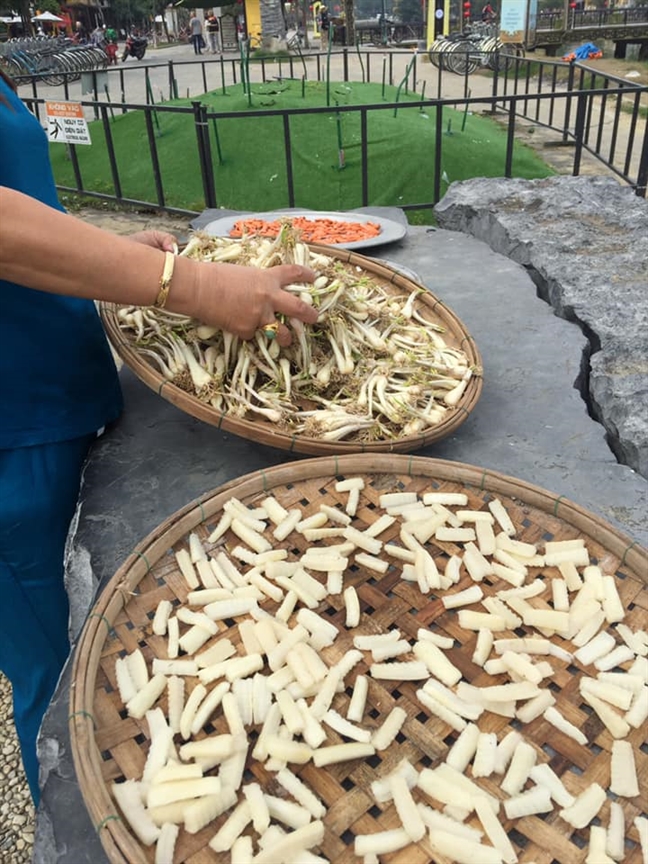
46 16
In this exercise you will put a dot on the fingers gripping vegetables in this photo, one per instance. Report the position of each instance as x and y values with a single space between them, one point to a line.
375 367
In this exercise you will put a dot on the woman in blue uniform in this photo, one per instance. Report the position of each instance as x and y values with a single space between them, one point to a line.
58 384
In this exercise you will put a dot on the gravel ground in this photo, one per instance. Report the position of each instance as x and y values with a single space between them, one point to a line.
16 809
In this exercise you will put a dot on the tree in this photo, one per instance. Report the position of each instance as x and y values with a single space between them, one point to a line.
349 22
272 19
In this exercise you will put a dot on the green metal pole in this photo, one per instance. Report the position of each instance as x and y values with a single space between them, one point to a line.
465 114
218 144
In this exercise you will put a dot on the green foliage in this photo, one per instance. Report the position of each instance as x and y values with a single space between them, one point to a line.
52 6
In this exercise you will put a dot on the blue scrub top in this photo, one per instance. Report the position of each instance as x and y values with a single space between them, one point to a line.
57 377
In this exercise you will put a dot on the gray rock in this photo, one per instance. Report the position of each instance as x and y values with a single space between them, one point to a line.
584 241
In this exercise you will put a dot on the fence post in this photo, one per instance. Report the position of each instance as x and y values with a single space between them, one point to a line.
642 174
114 170
570 87
510 138
290 180
345 61
579 131
200 124
171 80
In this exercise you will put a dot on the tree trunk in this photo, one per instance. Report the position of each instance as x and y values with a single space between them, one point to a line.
349 22
272 19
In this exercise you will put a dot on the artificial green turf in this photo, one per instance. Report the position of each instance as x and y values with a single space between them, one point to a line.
252 173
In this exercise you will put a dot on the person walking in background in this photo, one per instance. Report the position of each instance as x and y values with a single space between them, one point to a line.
213 29
488 14
324 24
195 33
66 387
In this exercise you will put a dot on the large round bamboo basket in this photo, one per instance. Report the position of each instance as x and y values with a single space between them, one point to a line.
108 745
456 335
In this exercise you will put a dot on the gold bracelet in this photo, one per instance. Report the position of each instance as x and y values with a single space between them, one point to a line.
165 280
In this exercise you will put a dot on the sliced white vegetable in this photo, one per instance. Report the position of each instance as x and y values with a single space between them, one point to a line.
505 750
463 851
534 800
596 853
147 697
406 808
232 828
494 830
615 840
585 807
523 759
381 842
553 716
183 560
165 845
483 646
341 753
545 776
484 761
616 725
623 770
130 803
385 734
161 617
355 711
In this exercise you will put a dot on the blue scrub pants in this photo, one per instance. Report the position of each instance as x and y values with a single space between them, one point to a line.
39 487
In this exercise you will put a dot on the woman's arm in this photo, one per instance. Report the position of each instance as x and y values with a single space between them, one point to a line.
52 251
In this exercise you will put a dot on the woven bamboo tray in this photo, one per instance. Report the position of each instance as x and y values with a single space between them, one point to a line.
456 335
107 745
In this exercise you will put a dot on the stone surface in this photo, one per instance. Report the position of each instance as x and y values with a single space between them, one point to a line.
584 240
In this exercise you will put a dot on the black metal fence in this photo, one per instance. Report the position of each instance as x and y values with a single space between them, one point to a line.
585 112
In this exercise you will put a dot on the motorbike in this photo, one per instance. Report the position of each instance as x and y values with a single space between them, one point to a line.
135 46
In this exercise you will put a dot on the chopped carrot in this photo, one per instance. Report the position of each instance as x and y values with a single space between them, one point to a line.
323 230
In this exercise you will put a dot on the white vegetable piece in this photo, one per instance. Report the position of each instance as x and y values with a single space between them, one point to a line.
523 759
534 800
406 808
147 697
387 732
493 828
585 807
381 842
129 799
463 598
623 770
232 828
301 793
641 824
161 617
355 711
615 842
463 851
545 776
352 606
165 845
484 761
596 853
290 846
436 662
553 716
464 748
341 753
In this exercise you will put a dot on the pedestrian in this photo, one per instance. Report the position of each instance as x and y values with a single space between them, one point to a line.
324 25
195 33
213 30
59 386
488 14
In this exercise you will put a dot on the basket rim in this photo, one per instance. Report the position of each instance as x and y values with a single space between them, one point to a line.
116 839
262 430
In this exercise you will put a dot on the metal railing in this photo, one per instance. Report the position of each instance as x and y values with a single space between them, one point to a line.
585 112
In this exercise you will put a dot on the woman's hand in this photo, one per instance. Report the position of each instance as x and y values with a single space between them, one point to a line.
157 239
243 300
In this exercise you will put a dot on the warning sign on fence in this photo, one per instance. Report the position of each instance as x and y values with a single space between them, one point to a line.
66 123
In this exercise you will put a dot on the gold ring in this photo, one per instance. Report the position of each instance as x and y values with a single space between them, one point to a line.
270 330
